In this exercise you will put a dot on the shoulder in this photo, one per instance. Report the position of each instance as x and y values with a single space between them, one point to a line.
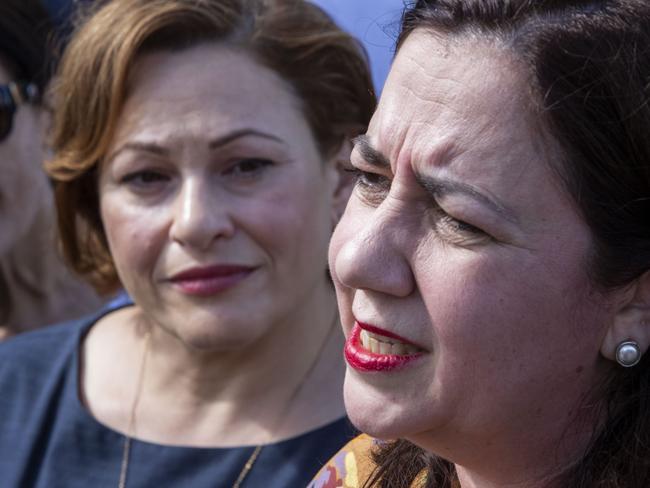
28 356
350 467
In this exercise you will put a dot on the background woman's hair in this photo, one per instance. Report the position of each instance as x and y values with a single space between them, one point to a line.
25 41
326 68
589 67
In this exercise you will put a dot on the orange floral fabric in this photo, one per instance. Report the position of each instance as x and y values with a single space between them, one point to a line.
349 468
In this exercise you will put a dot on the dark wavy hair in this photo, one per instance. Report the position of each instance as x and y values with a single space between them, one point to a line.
589 66
326 67
26 40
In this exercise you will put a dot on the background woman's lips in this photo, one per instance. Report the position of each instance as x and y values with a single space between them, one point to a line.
210 280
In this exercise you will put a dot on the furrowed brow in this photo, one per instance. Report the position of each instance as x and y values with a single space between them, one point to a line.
370 155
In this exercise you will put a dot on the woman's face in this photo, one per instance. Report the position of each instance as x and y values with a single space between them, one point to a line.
460 242
24 188
215 201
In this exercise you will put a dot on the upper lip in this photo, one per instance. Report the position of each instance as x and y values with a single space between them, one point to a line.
212 271
386 333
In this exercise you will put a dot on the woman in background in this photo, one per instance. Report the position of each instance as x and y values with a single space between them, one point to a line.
493 264
198 153
36 288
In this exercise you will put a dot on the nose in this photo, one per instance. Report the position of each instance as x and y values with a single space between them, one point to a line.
200 216
370 253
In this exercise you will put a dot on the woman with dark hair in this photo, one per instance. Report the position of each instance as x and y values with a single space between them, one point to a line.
198 153
35 286
493 264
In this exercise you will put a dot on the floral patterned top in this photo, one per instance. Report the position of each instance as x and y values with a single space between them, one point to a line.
352 466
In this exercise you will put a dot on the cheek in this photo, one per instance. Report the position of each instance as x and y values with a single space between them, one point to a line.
135 238
510 314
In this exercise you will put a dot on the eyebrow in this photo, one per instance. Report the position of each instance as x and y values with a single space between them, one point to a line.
370 155
439 187
435 186
221 141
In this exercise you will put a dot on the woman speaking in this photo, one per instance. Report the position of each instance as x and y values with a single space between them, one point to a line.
198 152
493 264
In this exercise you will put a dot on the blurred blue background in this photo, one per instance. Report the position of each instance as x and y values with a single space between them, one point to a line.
375 23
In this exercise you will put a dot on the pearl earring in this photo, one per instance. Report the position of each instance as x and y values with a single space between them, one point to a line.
628 354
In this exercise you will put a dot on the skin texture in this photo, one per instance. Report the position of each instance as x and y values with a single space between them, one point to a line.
173 196
460 238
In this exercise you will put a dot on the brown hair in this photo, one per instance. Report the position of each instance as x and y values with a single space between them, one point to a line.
326 68
589 66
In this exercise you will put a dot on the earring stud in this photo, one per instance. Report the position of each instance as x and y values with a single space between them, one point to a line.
628 354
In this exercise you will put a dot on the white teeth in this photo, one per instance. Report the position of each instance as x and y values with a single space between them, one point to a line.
381 345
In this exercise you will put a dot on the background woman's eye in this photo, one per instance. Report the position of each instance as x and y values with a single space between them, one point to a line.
144 177
249 166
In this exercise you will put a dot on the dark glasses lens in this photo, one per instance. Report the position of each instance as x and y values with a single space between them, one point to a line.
12 95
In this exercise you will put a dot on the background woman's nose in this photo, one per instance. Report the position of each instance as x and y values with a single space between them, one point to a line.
199 216
373 259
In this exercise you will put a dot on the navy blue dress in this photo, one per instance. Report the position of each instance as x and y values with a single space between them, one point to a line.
49 440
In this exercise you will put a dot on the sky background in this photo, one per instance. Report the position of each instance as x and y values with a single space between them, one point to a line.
375 23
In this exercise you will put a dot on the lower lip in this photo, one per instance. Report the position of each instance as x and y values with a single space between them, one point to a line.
363 360
205 287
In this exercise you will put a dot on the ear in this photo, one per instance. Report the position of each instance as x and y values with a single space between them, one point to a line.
632 320
341 180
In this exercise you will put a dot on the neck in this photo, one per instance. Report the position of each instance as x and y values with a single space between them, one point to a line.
37 287
536 450
289 381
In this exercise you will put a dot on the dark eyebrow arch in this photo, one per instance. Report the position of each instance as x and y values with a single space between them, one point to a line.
228 138
370 155
438 187
159 150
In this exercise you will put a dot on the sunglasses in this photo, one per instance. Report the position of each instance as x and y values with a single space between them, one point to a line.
12 95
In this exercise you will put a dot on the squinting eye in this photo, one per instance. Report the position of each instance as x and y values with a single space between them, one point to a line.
457 231
374 187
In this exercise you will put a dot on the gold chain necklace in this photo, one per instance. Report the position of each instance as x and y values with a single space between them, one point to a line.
126 449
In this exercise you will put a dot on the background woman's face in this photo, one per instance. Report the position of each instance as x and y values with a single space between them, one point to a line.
23 185
459 238
213 171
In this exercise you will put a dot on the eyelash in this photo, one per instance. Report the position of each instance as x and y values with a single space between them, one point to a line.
373 187
259 165
132 178
452 228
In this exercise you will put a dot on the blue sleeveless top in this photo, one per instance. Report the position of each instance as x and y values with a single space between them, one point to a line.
49 440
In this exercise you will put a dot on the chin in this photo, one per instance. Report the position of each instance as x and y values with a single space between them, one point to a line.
208 334
378 413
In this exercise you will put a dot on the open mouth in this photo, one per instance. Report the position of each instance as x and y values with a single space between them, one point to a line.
371 349
380 344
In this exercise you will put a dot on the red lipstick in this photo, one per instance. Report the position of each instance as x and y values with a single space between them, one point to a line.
362 359
209 280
